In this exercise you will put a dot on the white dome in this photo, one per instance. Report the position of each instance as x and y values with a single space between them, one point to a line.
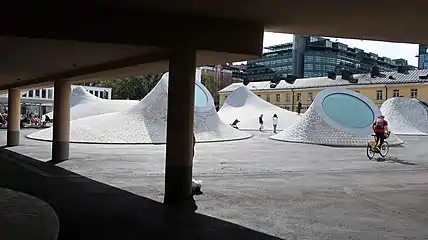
146 121
406 116
244 105
84 104
337 117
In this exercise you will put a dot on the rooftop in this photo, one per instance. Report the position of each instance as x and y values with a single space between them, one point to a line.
363 79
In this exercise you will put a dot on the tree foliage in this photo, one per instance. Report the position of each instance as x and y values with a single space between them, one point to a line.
208 80
133 88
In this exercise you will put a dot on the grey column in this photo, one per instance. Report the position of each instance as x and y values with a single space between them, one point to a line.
61 121
13 117
179 140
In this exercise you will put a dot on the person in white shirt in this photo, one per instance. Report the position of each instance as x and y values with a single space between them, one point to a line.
274 122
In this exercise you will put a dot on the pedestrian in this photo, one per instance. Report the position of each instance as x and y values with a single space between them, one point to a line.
299 108
274 122
261 122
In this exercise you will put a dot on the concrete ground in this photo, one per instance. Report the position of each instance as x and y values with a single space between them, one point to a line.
291 191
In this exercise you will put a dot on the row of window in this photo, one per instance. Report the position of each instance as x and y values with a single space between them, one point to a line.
101 93
396 93
379 95
39 93
288 97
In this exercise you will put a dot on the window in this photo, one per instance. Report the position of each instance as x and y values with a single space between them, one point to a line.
299 97
25 95
91 92
310 97
50 93
37 93
106 95
268 97
287 97
278 98
96 93
43 93
30 93
101 94
379 94
414 93
395 93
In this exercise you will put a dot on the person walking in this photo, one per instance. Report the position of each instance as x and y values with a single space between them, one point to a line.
261 122
274 122
299 108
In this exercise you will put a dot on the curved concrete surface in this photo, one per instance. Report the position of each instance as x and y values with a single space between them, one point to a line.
244 105
146 121
405 116
84 104
337 117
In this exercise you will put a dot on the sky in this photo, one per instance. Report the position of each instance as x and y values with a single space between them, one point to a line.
383 49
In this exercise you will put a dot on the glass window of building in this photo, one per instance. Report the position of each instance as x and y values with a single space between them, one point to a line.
268 97
299 97
414 93
30 93
101 94
50 93
379 94
24 95
310 97
106 95
287 97
96 93
43 93
91 92
278 98
395 93
37 93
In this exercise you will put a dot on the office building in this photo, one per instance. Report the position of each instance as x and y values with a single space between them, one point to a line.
309 56
423 57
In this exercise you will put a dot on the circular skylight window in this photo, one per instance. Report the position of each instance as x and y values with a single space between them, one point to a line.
346 110
201 98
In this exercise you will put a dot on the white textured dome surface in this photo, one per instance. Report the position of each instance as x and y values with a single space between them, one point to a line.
244 105
84 104
405 116
318 127
146 122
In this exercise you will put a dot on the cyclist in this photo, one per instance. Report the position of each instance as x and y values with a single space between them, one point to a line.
380 128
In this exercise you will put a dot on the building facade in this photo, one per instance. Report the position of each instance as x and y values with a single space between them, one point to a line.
393 84
423 57
40 101
309 56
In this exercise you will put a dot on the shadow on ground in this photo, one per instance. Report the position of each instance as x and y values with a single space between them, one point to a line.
92 210
394 160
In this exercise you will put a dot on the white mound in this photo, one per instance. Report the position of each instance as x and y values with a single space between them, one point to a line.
146 122
337 117
405 116
84 104
244 105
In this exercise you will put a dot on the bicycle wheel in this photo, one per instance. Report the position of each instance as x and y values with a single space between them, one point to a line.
370 153
384 149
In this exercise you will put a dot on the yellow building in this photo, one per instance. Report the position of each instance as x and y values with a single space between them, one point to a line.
285 95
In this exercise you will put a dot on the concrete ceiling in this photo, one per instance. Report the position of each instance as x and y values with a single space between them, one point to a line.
79 40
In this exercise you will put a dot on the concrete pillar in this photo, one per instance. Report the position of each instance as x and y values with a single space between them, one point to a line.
179 140
61 121
13 117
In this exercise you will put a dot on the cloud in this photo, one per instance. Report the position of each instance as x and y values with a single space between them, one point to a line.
383 49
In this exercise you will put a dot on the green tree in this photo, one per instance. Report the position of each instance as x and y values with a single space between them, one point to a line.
209 81
133 88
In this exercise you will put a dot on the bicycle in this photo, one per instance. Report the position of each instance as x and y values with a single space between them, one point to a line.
372 147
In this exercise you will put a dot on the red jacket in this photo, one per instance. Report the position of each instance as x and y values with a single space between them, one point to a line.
379 130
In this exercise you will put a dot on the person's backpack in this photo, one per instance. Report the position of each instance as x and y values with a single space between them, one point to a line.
379 123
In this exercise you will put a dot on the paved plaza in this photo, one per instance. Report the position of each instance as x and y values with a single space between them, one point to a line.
287 190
